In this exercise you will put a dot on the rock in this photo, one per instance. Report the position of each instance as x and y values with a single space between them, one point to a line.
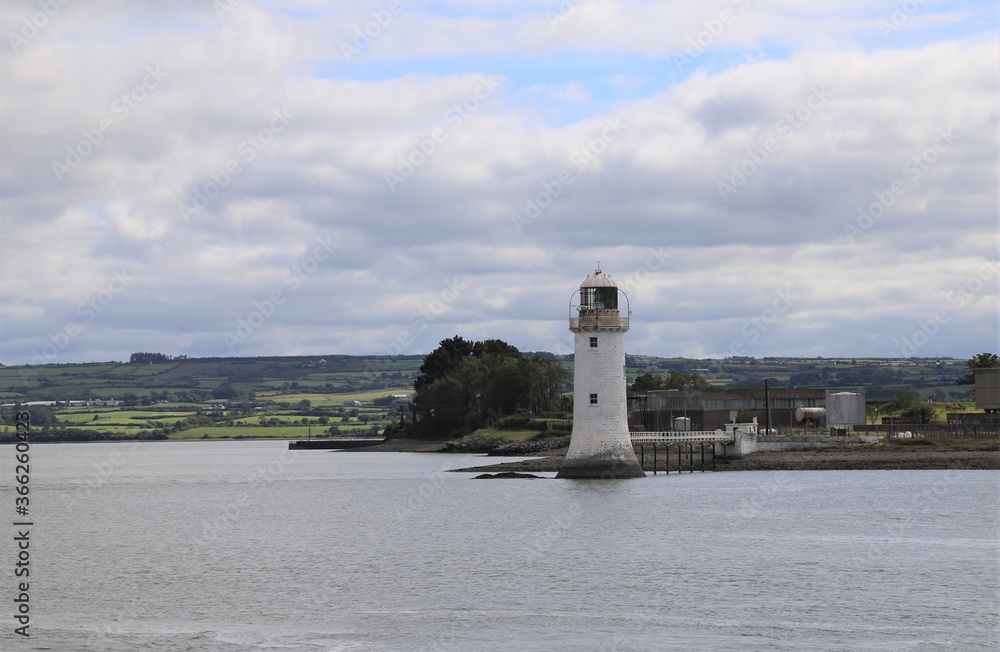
505 474
524 448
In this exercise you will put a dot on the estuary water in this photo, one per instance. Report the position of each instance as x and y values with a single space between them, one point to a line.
232 546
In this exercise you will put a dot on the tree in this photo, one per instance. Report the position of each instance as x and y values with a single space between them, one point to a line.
38 415
648 382
225 392
494 346
464 385
904 402
978 361
921 413
443 360
148 358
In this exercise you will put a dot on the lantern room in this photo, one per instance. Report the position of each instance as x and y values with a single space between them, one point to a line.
598 305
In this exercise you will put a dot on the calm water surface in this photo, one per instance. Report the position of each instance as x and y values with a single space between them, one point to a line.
228 546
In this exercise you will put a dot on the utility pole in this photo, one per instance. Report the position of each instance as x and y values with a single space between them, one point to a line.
767 409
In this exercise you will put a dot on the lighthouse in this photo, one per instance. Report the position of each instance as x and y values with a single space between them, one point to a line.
600 446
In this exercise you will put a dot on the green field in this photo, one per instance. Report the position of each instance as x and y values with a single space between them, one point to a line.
112 428
232 432
246 432
337 400
267 388
113 416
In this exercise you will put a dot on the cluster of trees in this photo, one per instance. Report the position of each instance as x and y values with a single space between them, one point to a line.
464 385
149 358
648 382
909 405
978 361
39 415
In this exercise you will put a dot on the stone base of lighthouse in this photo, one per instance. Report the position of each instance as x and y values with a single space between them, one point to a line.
607 462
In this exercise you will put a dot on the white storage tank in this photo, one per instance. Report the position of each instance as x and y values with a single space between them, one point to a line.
682 424
845 409
816 414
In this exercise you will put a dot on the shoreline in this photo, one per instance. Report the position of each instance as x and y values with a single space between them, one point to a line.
813 460
963 455
979 455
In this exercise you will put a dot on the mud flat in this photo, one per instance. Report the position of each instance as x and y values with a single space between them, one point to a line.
811 460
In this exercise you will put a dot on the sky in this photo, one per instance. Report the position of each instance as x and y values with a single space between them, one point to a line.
246 178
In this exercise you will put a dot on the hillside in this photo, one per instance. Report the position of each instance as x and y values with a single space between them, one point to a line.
200 379
340 395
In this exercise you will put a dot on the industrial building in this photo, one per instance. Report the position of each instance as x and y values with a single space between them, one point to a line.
712 409
988 390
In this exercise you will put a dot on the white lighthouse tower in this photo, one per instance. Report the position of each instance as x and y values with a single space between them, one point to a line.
600 446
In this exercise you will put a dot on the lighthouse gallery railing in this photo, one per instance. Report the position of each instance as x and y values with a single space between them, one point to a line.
598 322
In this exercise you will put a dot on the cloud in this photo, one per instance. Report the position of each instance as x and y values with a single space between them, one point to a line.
219 161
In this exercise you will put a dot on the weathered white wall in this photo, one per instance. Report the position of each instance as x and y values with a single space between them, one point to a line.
600 438
599 371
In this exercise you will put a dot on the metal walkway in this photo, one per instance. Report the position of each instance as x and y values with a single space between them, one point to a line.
683 441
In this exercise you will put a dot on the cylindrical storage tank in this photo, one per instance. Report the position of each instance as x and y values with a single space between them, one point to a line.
845 409
809 414
682 424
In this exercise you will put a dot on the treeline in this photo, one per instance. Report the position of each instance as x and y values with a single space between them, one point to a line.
649 382
39 415
70 435
466 385
151 358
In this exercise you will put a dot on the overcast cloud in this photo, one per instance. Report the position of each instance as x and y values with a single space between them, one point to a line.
262 178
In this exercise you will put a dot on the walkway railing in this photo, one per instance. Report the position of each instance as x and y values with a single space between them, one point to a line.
680 436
